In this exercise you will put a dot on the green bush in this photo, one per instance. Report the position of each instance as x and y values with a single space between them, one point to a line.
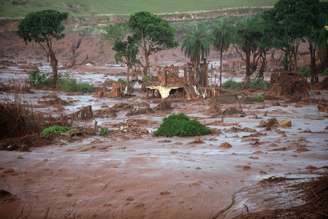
233 85
258 98
254 84
325 72
257 84
104 132
304 72
71 85
38 79
54 130
181 125
64 83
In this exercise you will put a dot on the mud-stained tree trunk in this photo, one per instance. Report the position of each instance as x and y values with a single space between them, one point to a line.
54 66
221 64
128 74
314 75
248 65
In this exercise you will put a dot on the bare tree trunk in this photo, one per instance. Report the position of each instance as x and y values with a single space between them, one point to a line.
146 67
221 64
314 76
263 65
128 75
54 66
248 66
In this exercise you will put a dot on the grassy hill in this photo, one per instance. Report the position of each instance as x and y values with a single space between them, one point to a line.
14 8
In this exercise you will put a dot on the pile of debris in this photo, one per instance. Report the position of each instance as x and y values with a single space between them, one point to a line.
290 85
323 107
140 108
112 111
118 89
273 123
131 127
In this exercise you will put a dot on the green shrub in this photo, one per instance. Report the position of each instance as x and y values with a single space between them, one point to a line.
233 85
258 98
54 130
65 83
104 132
325 72
38 79
181 125
257 84
254 84
71 85
122 81
304 72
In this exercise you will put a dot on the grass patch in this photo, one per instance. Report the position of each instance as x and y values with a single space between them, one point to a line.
257 84
104 132
304 72
254 84
38 79
71 85
88 7
232 85
181 125
54 130
64 83
325 72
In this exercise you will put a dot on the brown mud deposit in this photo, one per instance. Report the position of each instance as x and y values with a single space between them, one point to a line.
132 174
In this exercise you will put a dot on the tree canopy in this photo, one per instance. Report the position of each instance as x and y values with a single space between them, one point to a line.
126 52
152 33
43 27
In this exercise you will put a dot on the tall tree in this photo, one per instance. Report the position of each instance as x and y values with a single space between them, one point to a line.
196 46
291 20
247 37
44 27
316 34
222 38
126 52
152 33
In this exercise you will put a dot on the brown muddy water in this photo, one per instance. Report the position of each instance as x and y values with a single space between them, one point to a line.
141 176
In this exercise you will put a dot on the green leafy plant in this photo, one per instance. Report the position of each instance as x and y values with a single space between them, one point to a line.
258 98
325 72
181 125
233 85
71 85
304 72
36 78
257 84
54 130
253 84
104 131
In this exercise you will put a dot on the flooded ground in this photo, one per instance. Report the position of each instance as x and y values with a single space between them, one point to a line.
133 175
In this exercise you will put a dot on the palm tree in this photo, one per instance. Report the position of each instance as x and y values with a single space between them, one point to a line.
222 35
196 46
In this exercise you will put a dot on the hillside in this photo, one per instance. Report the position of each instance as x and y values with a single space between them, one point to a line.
15 8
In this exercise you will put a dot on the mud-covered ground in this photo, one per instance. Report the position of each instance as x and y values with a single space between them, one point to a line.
132 174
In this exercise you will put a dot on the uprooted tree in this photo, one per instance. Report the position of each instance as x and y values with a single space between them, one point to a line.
152 34
43 28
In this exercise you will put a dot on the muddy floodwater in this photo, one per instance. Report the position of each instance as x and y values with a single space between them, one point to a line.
132 175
